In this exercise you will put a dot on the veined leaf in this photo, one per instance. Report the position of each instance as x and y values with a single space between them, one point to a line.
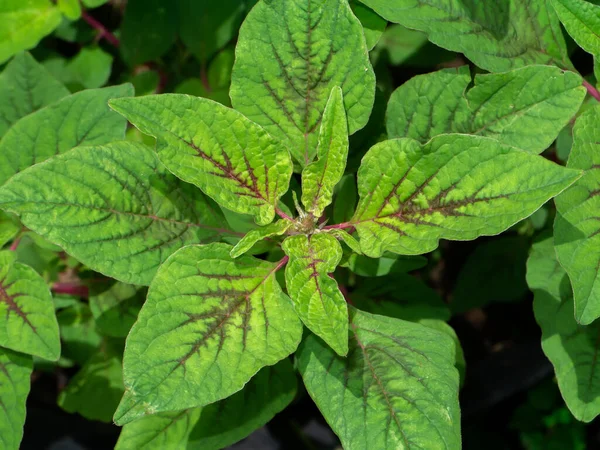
25 87
82 118
230 158
23 23
496 36
232 419
456 187
525 107
115 208
210 322
320 177
577 224
167 430
28 323
95 391
252 237
315 295
397 389
289 56
570 347
115 309
582 21
15 373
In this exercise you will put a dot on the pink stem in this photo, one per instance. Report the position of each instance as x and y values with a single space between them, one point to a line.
70 289
592 90
282 262
104 33
204 78
339 226
15 244
283 215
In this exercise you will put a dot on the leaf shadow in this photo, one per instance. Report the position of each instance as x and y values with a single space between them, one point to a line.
493 16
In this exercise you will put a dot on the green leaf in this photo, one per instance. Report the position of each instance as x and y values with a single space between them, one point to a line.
228 421
494 272
210 322
315 295
93 3
148 30
15 373
373 24
347 238
116 309
82 118
206 27
252 237
9 228
230 158
70 8
320 177
167 430
90 68
25 87
397 389
115 208
571 348
581 19
24 23
456 187
400 43
289 56
344 202
27 323
496 36
95 391
388 263
577 225
78 333
525 108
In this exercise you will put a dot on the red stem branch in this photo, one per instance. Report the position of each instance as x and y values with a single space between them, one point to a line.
76 290
339 226
282 262
283 215
15 244
592 90
102 31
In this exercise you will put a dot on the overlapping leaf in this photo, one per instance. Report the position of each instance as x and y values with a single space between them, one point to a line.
496 35
210 322
82 118
289 56
315 295
23 24
571 348
27 320
373 24
115 208
396 389
320 177
253 236
582 21
577 224
455 187
15 373
230 158
115 309
525 108
25 87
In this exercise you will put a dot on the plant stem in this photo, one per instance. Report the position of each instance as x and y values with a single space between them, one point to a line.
283 215
592 90
15 244
204 78
339 226
103 32
282 262
77 290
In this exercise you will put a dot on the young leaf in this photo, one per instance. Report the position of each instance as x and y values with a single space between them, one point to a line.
571 348
495 35
347 238
315 295
148 30
28 323
95 391
577 224
90 68
397 389
159 431
82 118
232 419
25 87
114 207
15 373
210 322
116 309
373 24
80 340
400 43
252 237
525 107
24 23
456 187
230 158
582 21
289 56
320 177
